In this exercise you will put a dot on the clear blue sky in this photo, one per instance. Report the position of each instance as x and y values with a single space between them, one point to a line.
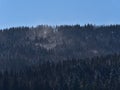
52 12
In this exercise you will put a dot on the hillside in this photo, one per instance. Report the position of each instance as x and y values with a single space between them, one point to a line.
99 73
26 46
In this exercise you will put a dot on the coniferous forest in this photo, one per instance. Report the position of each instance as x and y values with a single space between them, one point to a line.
65 57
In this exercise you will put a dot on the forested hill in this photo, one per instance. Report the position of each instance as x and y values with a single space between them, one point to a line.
26 46
100 73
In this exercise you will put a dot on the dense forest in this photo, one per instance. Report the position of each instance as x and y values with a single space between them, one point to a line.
65 57
22 47
99 73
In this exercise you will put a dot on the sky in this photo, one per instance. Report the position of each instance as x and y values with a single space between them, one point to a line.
15 13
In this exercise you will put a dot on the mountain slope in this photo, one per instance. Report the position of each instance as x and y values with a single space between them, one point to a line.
24 46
